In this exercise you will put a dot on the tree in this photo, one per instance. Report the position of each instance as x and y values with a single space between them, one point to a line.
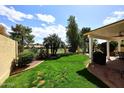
84 39
22 34
95 44
52 42
62 45
72 34
46 44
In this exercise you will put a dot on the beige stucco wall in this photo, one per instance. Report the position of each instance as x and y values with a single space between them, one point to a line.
8 52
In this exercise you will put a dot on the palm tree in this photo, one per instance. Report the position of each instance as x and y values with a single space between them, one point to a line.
22 34
52 42
46 44
62 45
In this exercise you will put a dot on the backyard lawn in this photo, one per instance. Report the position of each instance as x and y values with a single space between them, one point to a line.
65 72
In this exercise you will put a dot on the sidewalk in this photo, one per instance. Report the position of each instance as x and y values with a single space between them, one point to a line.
29 66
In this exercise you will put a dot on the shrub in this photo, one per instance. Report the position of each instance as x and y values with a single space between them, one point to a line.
13 65
34 50
42 54
25 58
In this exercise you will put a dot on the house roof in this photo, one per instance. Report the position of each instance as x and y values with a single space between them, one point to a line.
109 32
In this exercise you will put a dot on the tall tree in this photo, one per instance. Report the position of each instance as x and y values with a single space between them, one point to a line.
22 34
84 39
72 34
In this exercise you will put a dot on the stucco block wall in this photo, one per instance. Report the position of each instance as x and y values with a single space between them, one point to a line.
8 52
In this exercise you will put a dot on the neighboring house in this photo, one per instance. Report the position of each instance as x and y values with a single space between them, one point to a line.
34 45
8 53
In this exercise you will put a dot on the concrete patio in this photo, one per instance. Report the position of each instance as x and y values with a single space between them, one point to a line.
112 74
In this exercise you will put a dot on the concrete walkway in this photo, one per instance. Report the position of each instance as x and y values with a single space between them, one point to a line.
33 64
29 66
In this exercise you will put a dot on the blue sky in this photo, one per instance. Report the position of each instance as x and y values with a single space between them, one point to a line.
45 20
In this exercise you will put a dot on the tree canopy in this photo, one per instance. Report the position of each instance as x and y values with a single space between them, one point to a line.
72 34
22 34
52 42
84 39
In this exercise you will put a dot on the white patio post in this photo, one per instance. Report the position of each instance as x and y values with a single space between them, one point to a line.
119 45
90 46
108 50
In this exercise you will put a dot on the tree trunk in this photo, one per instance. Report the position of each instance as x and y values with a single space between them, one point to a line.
51 51
22 43
47 51
55 51
65 50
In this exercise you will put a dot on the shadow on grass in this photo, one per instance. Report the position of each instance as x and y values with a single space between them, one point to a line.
85 73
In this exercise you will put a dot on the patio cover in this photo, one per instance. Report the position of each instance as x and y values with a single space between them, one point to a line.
109 32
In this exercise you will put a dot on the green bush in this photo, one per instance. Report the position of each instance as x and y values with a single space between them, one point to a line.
25 58
34 50
42 54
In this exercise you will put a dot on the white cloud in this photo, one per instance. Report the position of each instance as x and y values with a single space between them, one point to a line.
13 15
44 25
42 32
46 18
119 13
116 15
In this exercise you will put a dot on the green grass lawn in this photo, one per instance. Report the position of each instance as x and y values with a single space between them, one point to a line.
65 72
